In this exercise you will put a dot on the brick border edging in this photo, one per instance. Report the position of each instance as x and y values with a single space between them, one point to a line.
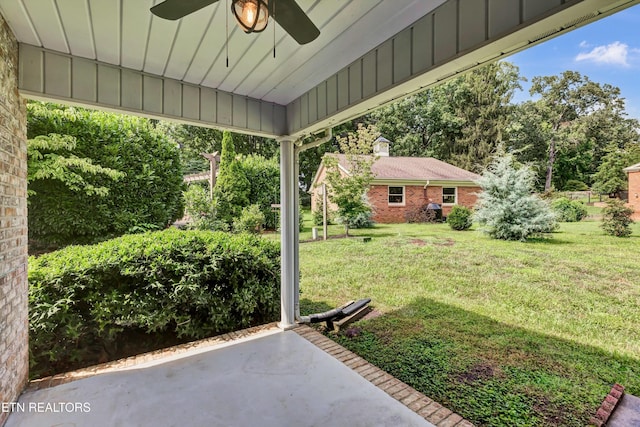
90 371
431 411
608 406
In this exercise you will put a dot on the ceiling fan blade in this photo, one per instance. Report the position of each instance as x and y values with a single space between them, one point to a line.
176 9
294 21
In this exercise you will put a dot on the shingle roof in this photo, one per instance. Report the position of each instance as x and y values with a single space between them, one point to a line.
414 168
634 168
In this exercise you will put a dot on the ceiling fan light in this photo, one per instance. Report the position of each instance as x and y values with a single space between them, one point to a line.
252 15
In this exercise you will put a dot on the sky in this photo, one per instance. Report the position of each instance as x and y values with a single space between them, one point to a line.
607 51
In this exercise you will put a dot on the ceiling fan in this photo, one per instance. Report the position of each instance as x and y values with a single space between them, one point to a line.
252 15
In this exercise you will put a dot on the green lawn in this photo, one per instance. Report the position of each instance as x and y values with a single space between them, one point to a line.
504 333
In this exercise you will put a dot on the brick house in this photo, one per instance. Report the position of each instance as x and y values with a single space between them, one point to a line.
634 189
403 185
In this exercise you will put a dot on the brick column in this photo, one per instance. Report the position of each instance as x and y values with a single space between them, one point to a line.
14 356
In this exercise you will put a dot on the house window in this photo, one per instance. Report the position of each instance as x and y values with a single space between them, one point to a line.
449 196
396 196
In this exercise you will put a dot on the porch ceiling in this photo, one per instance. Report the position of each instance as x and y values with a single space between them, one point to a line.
114 54
192 49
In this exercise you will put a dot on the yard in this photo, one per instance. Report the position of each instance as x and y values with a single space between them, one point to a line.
504 333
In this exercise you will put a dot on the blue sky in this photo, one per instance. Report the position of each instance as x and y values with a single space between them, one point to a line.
607 51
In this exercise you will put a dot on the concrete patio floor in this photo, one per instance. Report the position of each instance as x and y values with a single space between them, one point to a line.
268 378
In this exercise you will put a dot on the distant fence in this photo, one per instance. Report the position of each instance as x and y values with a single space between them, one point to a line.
594 197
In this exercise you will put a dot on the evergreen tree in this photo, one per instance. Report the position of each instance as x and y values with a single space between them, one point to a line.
610 177
231 193
507 207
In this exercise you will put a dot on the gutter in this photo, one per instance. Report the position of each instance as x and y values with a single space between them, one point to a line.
328 134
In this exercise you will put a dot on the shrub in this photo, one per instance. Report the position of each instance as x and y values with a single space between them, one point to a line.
616 219
250 220
188 284
507 207
200 208
568 210
318 215
460 218
147 193
423 214
361 220
575 185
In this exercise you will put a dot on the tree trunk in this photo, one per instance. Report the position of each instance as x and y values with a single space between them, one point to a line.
552 160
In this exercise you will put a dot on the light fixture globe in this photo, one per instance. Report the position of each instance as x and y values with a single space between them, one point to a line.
252 15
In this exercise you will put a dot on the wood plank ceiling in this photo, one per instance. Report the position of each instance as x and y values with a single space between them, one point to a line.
124 33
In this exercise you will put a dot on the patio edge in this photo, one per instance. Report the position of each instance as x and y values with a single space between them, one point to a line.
428 409
138 359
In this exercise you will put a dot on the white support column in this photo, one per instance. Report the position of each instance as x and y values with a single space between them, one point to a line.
288 226
296 232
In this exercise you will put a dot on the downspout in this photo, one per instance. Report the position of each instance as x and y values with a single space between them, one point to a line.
425 190
299 148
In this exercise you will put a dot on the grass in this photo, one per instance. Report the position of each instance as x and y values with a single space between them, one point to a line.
504 333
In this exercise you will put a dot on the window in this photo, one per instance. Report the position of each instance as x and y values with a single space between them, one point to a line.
449 196
396 196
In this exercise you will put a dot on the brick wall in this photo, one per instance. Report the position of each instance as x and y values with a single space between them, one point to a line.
14 357
634 194
416 196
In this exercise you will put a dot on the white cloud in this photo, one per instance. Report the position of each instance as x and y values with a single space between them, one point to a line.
584 44
615 53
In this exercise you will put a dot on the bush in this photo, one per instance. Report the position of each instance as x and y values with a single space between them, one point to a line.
568 210
147 194
423 214
250 220
318 215
361 220
616 219
460 218
200 208
187 284
575 185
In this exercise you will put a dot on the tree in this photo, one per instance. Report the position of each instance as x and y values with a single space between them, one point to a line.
231 193
148 195
194 140
348 191
507 207
483 99
462 121
566 104
263 176
610 177
50 157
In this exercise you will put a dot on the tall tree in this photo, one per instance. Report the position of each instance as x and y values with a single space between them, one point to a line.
567 103
232 189
484 104
462 121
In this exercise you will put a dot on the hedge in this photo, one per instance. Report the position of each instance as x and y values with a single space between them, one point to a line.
147 197
185 284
